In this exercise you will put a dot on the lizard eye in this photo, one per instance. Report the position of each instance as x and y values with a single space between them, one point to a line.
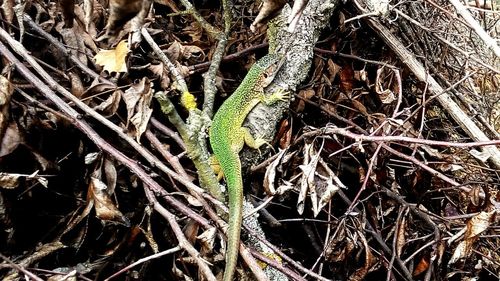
265 75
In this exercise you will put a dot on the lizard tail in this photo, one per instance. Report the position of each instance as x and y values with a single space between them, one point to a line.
235 190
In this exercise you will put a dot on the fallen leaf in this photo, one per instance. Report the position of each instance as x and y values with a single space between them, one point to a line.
73 37
268 10
306 94
11 139
422 266
6 91
113 60
138 100
8 10
104 207
162 73
193 53
68 7
110 105
9 181
120 12
174 51
475 226
270 175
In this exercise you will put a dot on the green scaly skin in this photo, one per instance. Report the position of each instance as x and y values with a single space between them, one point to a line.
227 137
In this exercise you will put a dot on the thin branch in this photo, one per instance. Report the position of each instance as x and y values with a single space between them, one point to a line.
181 83
402 139
20 268
143 260
490 42
183 242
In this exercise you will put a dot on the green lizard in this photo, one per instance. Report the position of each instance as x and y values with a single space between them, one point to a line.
227 137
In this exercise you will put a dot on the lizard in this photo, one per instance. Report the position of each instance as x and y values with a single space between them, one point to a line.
227 137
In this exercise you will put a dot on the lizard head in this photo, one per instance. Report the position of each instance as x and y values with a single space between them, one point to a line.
269 65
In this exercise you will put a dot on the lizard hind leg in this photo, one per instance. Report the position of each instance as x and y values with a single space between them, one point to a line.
252 142
214 163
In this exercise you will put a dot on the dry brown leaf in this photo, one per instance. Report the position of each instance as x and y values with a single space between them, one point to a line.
9 181
113 60
109 106
339 245
88 34
332 186
74 39
169 3
207 239
318 181
268 10
369 264
104 206
333 70
191 230
183 70
194 53
174 51
11 139
76 84
138 100
110 175
386 96
40 252
44 163
270 175
360 107
120 12
162 73
49 23
195 31
475 226
346 80
98 89
400 236
10 136
19 11
306 171
138 22
8 10
88 11
422 266
190 199
67 7
6 91
177 52
306 94
157 69
475 195
285 134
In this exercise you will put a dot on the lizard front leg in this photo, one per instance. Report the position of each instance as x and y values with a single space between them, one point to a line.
278 95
